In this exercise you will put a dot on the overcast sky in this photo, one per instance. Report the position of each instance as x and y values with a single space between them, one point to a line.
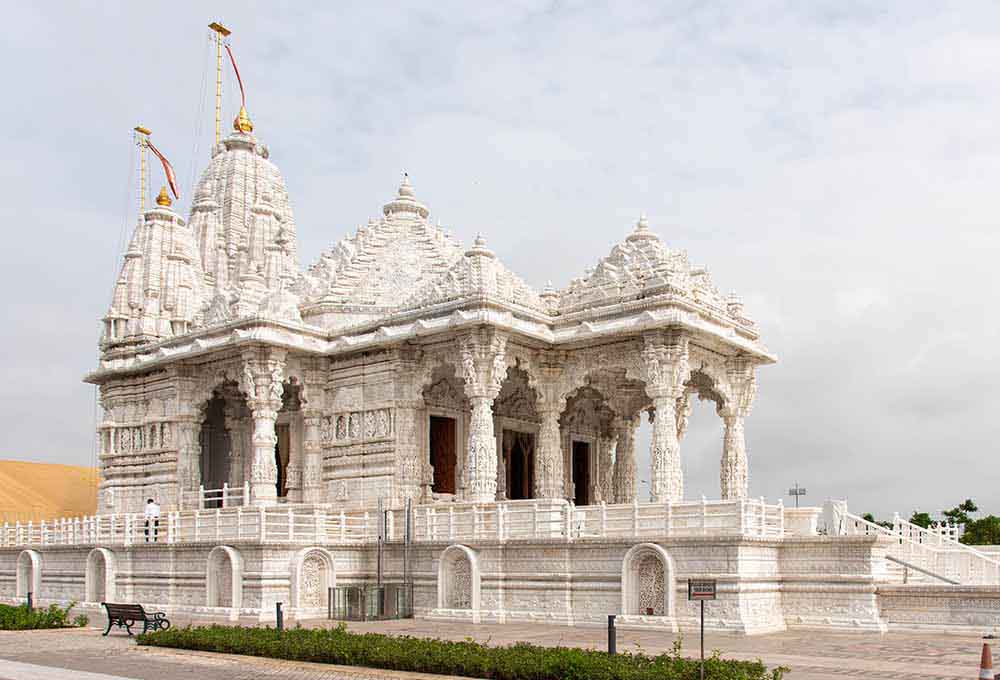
835 163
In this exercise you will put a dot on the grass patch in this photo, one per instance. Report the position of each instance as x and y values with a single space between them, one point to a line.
468 658
54 616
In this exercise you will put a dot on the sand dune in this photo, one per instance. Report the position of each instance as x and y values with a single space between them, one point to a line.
37 491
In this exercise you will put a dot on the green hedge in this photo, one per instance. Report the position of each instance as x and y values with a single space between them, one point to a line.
22 618
470 659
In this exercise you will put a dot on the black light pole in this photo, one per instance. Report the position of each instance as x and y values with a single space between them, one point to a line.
797 491
703 640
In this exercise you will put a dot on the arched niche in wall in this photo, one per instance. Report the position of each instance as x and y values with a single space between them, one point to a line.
458 580
29 574
100 576
224 579
648 587
314 572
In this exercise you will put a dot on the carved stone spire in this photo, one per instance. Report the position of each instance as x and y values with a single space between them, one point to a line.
159 292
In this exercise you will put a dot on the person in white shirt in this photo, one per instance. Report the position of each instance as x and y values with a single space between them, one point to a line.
152 517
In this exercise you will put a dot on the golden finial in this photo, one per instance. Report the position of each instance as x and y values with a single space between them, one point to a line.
164 198
243 122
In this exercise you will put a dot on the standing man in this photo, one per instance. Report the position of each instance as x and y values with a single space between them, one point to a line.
152 517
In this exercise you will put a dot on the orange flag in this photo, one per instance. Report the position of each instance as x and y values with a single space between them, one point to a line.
168 169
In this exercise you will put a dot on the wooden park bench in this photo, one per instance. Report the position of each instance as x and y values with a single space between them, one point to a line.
127 615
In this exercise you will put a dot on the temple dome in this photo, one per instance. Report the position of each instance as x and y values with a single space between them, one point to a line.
478 274
368 274
243 225
159 292
641 266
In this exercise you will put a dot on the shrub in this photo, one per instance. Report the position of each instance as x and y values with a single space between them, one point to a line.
22 618
470 659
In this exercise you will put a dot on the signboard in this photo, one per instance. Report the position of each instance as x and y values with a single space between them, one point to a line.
702 589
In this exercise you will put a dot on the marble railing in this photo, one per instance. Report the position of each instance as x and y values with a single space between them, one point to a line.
930 551
510 520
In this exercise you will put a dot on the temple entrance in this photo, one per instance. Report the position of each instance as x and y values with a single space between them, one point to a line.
581 473
443 453
214 448
520 464
282 451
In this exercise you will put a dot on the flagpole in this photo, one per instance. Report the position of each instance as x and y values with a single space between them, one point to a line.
141 134
220 33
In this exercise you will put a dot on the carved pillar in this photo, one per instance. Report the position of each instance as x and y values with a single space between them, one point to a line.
263 371
185 438
549 476
666 475
407 425
188 458
734 470
483 368
234 429
549 465
312 418
293 471
312 467
605 469
665 361
623 479
503 461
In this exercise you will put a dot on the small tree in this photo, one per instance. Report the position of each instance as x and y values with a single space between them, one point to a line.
869 517
960 513
921 519
985 531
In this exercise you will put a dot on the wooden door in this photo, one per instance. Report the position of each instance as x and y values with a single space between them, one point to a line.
443 453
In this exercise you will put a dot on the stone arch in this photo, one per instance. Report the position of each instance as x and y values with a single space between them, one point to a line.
100 576
517 397
458 580
314 571
224 579
648 582
29 574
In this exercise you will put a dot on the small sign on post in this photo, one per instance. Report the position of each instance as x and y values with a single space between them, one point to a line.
700 590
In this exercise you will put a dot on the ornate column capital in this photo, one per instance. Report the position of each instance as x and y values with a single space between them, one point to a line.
262 378
484 362
741 388
665 363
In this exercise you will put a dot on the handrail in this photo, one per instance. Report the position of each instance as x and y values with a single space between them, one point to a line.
941 538
921 570
503 521
957 559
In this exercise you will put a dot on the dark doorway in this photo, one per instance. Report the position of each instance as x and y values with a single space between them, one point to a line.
520 464
581 473
443 454
281 453
214 448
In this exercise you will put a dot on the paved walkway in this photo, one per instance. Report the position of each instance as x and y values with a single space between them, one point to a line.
68 654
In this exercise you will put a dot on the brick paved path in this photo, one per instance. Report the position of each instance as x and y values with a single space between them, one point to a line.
824 656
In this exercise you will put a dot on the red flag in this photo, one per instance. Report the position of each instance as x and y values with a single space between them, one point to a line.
243 94
168 169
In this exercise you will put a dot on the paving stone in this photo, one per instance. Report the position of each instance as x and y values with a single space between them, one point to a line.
812 656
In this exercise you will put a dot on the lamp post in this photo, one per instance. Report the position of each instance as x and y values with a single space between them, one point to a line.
797 491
